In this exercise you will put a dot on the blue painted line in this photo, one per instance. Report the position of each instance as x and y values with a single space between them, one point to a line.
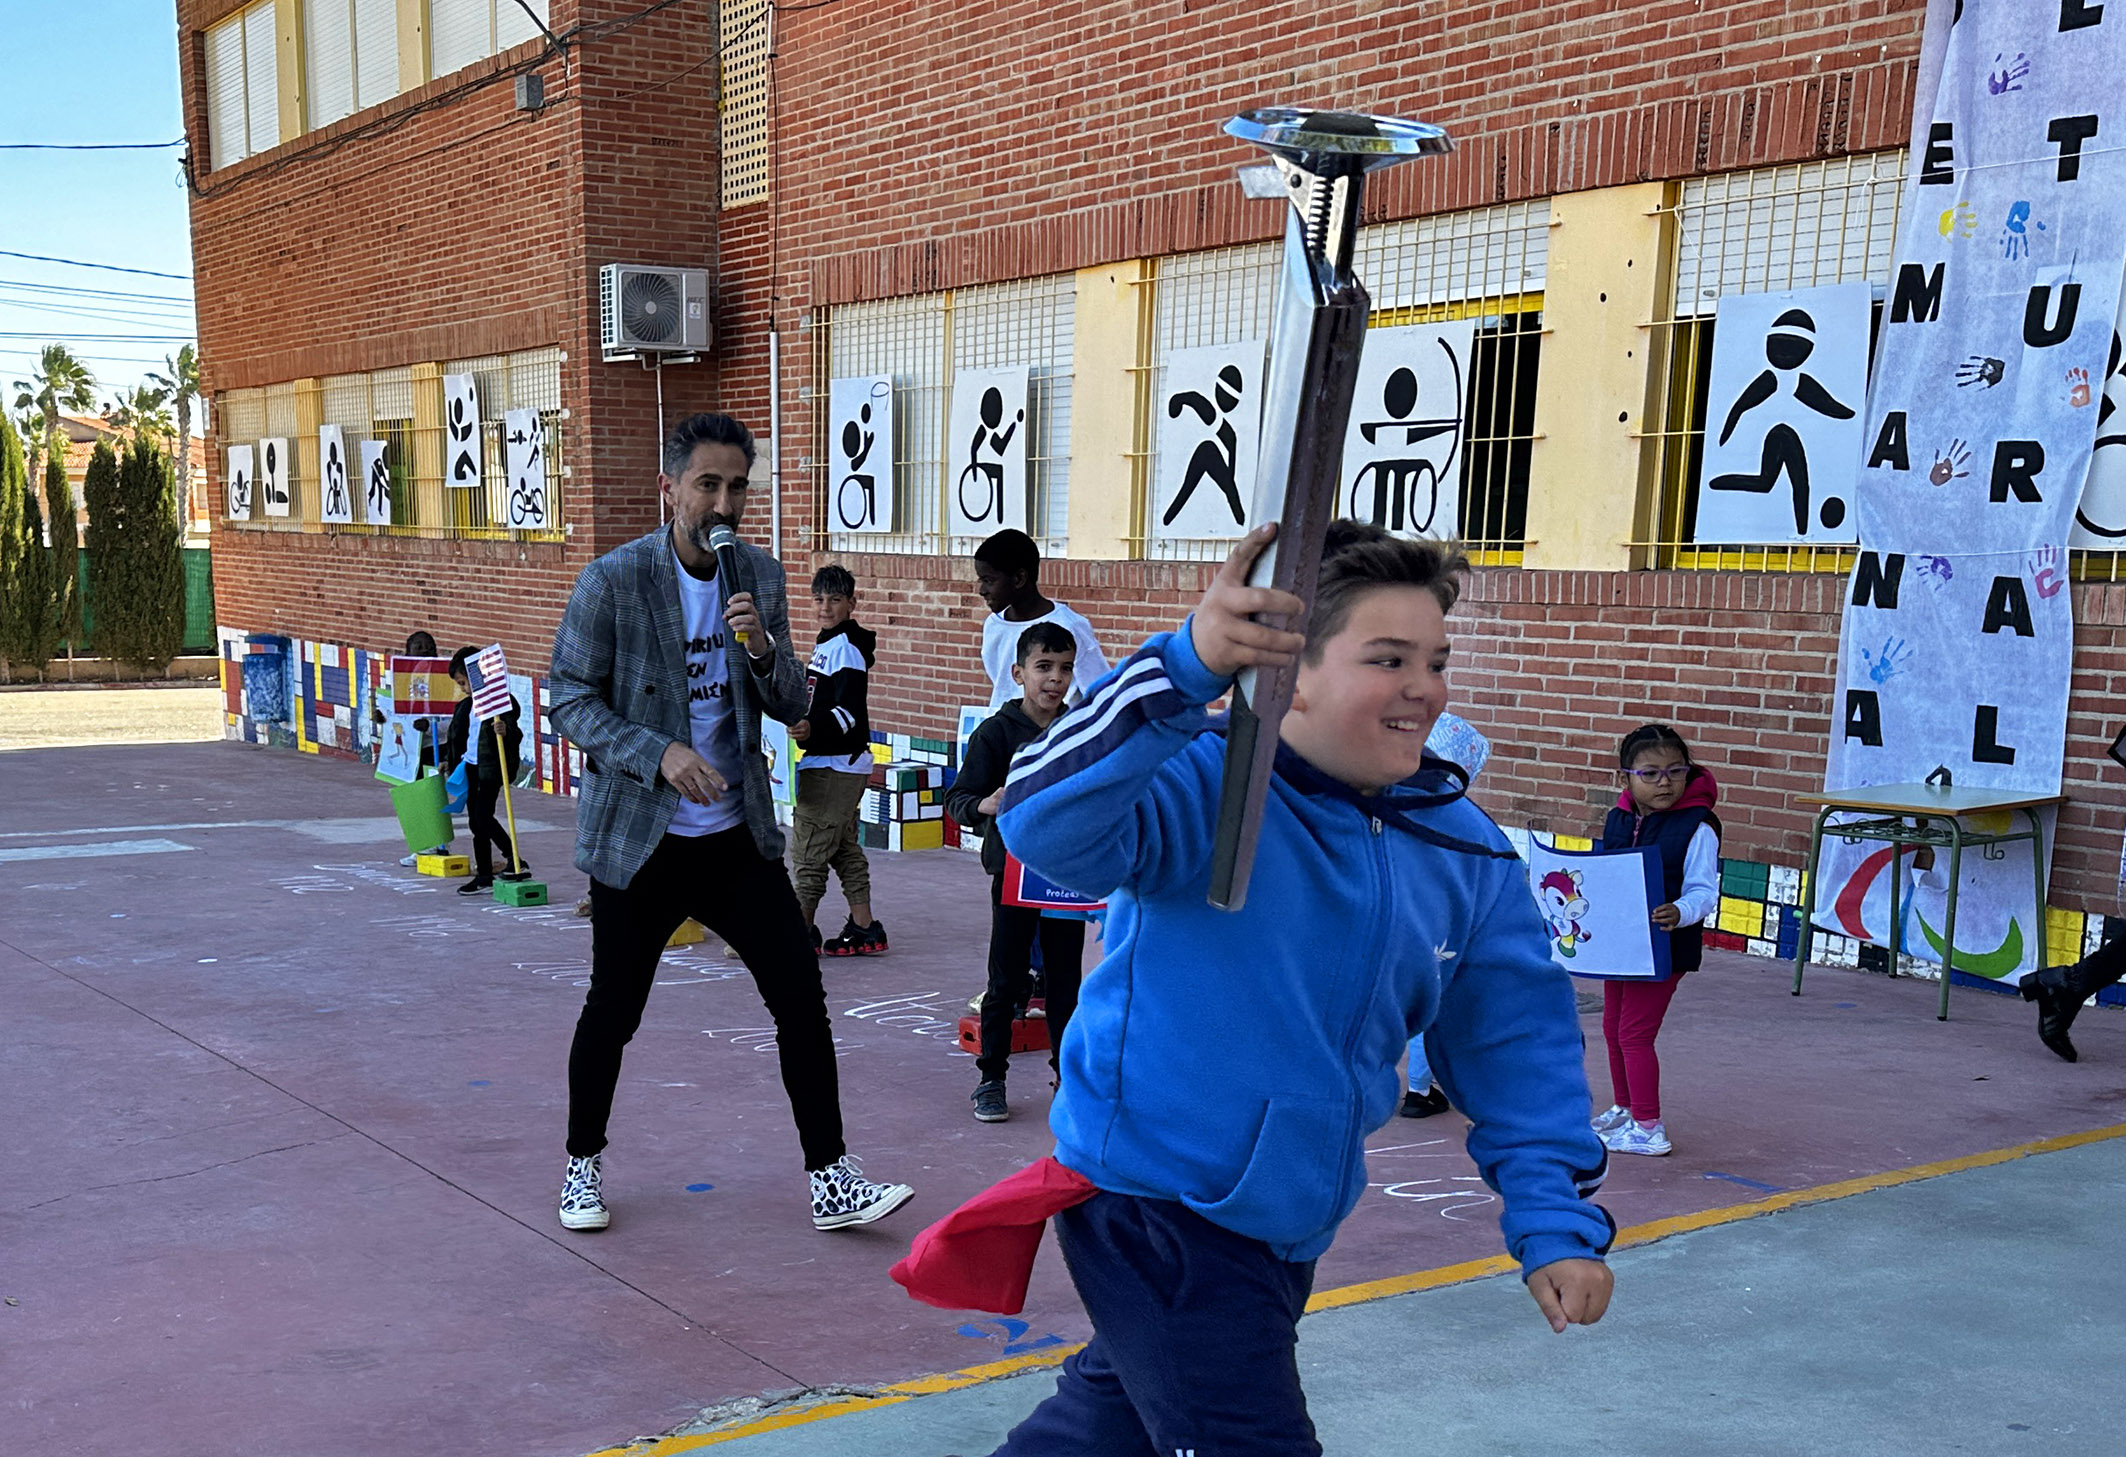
699 1188
1747 1183
1843 1006
479 1083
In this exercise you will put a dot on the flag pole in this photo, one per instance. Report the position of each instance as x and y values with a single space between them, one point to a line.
516 860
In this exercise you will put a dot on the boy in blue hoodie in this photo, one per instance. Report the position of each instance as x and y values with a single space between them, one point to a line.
1223 1069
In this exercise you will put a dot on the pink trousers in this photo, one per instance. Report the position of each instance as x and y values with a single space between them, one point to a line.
1631 1020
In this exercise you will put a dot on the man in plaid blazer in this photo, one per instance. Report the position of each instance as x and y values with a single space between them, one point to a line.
661 671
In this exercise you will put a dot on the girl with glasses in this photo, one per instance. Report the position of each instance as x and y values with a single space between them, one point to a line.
1667 802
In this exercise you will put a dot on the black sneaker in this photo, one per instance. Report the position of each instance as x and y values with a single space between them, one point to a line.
1425 1104
857 940
989 1104
478 885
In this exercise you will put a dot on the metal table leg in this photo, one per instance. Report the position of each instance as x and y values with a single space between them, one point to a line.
2037 862
1808 898
1948 931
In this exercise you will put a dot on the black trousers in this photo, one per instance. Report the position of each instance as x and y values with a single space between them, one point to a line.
724 882
1194 1348
488 835
1012 930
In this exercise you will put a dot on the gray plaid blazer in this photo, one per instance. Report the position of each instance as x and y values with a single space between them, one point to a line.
619 693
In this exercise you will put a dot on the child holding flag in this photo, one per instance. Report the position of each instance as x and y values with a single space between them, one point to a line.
473 741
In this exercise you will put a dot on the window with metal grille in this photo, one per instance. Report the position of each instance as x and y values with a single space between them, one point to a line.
1488 264
743 98
243 85
383 405
921 343
1769 230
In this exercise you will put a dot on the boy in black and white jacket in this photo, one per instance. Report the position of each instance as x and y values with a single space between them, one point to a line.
836 735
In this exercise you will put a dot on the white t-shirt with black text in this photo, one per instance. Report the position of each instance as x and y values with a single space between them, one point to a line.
1000 651
714 725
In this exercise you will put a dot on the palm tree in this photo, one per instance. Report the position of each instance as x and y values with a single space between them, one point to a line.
142 412
60 382
181 386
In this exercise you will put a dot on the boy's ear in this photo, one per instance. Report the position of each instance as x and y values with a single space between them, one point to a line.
1299 702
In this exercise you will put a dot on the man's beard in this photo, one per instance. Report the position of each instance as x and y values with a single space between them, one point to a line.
698 533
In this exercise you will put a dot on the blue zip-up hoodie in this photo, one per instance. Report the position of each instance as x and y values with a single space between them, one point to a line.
1236 1061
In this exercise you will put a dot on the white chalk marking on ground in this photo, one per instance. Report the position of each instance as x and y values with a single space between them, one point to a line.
356 830
99 847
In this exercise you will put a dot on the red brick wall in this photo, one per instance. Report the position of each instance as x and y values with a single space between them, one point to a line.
446 224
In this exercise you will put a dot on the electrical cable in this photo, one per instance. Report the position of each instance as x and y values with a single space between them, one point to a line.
90 146
106 267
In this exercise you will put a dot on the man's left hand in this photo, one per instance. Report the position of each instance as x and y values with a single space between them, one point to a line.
740 618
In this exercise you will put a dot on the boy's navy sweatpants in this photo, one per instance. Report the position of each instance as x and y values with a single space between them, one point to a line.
1194 1330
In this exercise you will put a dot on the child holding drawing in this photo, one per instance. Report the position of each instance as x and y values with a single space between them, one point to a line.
1667 802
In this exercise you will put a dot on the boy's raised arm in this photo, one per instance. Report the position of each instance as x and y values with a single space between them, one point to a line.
1086 805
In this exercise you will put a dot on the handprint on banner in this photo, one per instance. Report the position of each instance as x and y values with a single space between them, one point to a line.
1981 371
2078 387
1936 571
1960 221
1951 464
2015 232
2010 75
2048 570
1895 657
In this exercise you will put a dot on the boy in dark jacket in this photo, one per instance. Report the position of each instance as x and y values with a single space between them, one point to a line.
1047 662
836 735
483 776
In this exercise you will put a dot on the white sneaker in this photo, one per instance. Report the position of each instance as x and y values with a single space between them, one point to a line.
582 1201
1617 1116
842 1197
409 861
1636 1137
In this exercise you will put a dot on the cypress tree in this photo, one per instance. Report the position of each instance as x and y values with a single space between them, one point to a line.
105 607
18 615
40 628
155 549
65 533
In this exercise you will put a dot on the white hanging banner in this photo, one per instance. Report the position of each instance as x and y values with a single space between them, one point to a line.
239 479
1403 448
524 457
461 432
1999 318
1209 423
335 496
273 475
860 454
988 436
376 484
1788 379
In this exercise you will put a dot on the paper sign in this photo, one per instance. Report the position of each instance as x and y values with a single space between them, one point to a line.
1029 889
1597 906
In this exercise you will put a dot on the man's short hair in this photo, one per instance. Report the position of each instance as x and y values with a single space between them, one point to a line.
703 429
1051 637
1358 557
833 581
420 645
459 659
1011 552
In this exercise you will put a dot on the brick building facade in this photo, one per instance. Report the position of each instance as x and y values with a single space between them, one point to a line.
928 179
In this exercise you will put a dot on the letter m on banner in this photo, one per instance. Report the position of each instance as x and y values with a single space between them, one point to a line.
489 673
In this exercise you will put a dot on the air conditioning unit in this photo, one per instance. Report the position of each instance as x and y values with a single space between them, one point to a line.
653 310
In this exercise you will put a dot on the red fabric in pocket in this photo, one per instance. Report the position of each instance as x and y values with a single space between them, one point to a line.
980 1256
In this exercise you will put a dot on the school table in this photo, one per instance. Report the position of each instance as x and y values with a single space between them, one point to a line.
1911 815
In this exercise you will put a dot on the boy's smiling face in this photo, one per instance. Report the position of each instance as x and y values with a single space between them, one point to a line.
1046 678
1362 711
834 609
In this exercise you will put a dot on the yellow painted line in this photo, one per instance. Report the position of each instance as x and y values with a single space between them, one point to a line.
1630 1237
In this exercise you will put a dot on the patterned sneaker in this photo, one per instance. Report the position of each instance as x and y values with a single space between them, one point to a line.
858 940
1636 1137
989 1104
1609 1122
841 1196
582 1204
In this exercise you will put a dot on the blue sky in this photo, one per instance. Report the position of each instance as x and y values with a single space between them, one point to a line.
92 71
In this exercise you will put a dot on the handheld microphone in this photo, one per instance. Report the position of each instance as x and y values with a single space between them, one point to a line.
724 542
